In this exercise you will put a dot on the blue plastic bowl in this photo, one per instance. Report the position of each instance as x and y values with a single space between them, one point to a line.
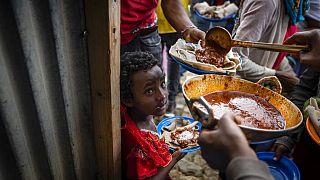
262 146
284 169
168 121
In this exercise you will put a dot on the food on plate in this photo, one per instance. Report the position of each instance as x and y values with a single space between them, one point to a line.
253 111
314 114
216 11
205 58
210 56
181 134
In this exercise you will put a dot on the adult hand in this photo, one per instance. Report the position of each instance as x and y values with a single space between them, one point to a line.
179 19
288 80
193 35
280 149
311 58
227 142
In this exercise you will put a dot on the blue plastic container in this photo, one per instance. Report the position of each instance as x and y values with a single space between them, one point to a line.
262 146
284 169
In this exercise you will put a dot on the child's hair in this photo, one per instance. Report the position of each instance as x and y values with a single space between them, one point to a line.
132 62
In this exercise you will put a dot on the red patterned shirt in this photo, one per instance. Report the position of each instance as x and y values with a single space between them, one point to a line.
142 151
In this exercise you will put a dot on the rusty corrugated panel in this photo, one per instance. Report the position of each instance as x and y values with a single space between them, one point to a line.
44 92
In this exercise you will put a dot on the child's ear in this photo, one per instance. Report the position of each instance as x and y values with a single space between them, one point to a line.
128 102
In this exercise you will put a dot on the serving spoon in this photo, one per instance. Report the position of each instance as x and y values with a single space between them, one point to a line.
206 118
220 39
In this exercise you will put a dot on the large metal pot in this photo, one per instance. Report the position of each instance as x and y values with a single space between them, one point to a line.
201 85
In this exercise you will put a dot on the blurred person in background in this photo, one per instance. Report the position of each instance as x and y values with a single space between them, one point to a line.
169 37
309 81
306 151
312 19
270 21
139 30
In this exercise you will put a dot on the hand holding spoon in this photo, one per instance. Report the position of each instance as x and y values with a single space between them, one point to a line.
220 39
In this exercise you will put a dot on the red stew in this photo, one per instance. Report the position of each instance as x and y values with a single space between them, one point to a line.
210 56
254 111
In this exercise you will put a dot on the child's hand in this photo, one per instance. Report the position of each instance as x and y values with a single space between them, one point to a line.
177 155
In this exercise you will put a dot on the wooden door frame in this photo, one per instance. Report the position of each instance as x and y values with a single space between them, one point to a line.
103 26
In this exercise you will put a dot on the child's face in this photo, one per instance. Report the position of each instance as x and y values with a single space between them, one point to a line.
149 92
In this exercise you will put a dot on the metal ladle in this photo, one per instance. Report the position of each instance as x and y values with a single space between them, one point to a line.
220 39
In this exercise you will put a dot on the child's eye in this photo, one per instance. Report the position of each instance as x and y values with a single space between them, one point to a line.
149 91
163 84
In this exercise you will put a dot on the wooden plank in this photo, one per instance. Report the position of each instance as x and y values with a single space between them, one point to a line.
103 24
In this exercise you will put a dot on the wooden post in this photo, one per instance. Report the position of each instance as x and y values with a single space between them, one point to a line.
103 25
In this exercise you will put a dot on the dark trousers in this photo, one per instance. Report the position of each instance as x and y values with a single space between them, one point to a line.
173 69
150 43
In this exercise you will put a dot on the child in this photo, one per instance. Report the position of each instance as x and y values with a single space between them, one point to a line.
143 95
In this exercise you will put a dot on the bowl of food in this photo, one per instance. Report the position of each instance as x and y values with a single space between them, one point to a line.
216 13
215 19
274 117
180 132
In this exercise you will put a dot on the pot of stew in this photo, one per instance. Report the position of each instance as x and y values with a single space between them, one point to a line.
264 113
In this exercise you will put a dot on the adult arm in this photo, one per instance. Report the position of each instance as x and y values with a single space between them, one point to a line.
253 71
252 28
247 168
179 20
306 89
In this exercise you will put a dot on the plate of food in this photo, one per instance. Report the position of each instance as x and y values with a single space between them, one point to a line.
180 132
199 60
195 70
284 169
212 19
216 13
312 131
312 111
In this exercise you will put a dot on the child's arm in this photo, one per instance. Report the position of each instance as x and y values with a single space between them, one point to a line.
164 171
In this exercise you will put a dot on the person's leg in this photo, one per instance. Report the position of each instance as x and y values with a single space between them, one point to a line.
173 83
152 44
173 72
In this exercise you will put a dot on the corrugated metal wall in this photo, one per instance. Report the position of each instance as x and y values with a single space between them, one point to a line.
45 125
